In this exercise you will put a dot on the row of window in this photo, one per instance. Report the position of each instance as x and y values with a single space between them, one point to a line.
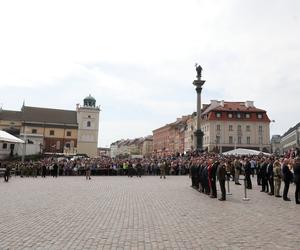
51 132
34 131
239 115
239 140
239 128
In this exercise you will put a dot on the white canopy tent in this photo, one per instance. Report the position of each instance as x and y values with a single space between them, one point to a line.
243 151
6 137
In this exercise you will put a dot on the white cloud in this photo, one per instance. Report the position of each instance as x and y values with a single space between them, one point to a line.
248 50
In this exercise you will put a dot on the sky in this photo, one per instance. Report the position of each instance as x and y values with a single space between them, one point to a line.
137 58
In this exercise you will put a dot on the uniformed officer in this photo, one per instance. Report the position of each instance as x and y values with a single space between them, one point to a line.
277 178
163 166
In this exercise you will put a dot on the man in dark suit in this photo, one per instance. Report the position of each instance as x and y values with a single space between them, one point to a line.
287 177
263 174
247 169
6 173
205 179
55 170
221 173
297 179
270 176
213 177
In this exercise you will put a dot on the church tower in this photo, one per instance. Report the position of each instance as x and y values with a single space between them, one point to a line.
88 126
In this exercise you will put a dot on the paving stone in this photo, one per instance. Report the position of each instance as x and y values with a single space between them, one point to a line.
148 213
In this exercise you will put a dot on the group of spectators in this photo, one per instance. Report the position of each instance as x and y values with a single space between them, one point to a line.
270 172
203 168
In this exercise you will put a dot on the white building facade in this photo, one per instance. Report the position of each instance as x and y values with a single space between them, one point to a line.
230 125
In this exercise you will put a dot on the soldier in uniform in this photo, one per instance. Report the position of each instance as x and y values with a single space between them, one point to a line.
277 178
34 170
163 167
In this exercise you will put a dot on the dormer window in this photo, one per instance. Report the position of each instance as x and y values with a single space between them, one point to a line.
248 116
230 115
259 116
218 115
239 115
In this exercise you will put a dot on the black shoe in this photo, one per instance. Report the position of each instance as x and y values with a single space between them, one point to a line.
238 183
270 194
278 196
213 197
221 199
286 199
297 202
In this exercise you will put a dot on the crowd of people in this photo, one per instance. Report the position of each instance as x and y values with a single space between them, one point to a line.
270 172
204 169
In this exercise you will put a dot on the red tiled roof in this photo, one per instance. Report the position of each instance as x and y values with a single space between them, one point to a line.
234 107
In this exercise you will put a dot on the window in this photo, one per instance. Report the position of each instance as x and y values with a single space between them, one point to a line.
69 133
248 139
88 124
259 116
4 146
67 145
230 115
248 116
248 128
239 128
260 140
230 140
51 132
33 131
238 115
260 130
218 127
218 139
218 115
89 116
239 140
58 145
230 128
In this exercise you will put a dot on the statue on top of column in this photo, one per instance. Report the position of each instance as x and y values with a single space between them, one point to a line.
198 70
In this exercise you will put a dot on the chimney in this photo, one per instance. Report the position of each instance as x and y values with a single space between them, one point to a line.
77 106
214 103
222 103
249 104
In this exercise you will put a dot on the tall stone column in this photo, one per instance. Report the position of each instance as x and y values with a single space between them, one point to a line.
198 133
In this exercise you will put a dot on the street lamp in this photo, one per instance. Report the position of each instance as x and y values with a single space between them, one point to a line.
198 83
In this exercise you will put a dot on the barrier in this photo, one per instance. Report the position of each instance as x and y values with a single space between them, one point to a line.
245 189
228 188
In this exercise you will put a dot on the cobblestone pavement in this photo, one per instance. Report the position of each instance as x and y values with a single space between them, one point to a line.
140 213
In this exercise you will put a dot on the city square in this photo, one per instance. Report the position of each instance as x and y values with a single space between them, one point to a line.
117 212
149 124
